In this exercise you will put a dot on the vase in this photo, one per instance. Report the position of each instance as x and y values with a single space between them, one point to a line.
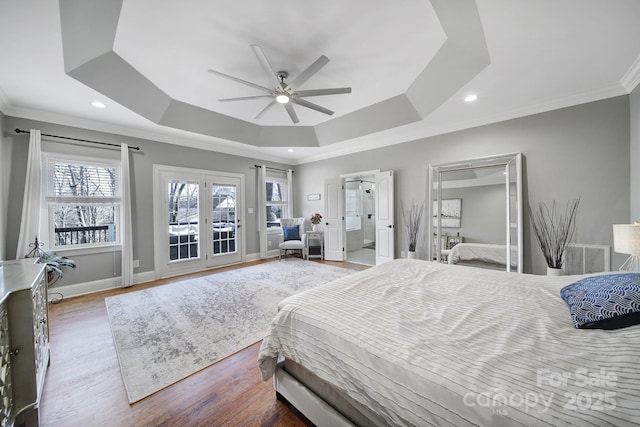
314 227
554 271
411 255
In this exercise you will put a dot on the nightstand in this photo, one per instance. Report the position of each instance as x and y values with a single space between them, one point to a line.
315 244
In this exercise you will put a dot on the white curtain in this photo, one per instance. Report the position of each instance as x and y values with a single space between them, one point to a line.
126 232
290 193
262 211
30 224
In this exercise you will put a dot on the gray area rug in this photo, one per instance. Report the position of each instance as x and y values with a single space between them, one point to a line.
166 333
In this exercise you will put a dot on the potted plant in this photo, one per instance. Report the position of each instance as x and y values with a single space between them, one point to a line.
554 231
55 263
316 218
412 220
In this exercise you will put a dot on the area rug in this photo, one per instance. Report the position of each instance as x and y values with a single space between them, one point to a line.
166 333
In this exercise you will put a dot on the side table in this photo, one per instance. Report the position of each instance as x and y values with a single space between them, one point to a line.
315 244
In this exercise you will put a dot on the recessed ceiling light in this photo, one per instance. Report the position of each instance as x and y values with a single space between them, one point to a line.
470 98
98 104
290 150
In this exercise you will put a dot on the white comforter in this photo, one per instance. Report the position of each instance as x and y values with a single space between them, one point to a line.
424 343
495 254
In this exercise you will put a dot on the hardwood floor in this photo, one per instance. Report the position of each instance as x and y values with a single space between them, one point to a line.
83 386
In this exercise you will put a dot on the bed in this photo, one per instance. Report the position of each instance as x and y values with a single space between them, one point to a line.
482 255
414 342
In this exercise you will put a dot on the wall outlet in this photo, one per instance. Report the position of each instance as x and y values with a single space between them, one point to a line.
402 254
136 263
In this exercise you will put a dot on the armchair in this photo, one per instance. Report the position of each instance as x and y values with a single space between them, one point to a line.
289 241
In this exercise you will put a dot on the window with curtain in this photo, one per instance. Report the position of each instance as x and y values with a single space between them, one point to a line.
83 201
277 201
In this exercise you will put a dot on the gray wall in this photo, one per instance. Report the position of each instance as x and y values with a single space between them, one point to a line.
580 151
635 154
482 216
102 266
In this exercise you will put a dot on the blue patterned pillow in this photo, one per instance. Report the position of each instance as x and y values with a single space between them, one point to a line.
610 301
291 233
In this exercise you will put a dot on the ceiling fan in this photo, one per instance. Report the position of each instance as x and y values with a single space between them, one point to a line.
286 93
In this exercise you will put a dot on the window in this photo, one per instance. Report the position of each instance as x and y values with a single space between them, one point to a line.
83 202
277 201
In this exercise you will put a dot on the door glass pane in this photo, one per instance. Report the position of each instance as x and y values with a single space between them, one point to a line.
183 220
224 218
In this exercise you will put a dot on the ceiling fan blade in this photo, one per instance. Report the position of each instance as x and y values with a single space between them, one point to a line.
311 105
320 92
244 98
309 72
291 111
244 82
265 109
266 65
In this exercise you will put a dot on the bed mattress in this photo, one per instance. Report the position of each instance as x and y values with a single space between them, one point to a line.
424 343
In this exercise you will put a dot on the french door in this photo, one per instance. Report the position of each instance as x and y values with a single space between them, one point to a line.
197 220
224 244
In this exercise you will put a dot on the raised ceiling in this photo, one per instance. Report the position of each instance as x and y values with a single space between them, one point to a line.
410 64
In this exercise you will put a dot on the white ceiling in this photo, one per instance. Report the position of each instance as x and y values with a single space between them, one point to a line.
540 55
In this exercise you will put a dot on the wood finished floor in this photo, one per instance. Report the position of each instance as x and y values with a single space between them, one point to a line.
83 386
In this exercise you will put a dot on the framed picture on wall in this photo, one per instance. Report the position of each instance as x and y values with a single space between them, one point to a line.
451 213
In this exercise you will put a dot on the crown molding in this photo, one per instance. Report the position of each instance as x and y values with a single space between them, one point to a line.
381 139
167 135
423 129
631 78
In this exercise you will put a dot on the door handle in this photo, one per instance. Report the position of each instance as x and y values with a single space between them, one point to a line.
390 226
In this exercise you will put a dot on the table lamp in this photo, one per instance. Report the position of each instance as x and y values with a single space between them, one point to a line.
626 240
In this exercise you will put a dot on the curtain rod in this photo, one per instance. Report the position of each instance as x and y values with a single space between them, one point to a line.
274 169
76 139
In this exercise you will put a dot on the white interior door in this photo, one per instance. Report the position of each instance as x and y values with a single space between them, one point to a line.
334 228
385 226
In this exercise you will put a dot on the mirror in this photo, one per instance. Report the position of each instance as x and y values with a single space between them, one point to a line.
479 202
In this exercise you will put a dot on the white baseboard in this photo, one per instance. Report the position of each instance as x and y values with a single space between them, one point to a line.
84 288
99 285
252 257
272 253
115 282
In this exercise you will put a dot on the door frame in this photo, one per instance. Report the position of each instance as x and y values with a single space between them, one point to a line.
213 260
355 175
161 266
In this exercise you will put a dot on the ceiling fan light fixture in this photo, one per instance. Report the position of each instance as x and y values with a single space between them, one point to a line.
283 94
282 98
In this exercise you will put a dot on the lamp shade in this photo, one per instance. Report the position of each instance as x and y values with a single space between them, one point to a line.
626 238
